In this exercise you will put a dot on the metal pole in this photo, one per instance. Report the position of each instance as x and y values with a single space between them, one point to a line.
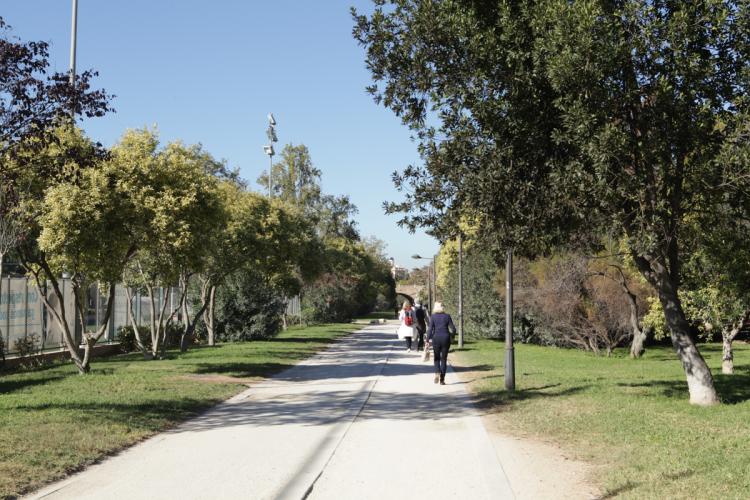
432 281
434 276
270 173
429 288
510 363
460 290
73 35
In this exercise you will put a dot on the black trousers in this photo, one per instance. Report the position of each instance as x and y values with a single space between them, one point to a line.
408 342
440 346
420 339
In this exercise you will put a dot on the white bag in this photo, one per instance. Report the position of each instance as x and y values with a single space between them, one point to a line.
426 354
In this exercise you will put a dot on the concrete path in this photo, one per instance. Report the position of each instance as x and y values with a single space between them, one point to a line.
361 420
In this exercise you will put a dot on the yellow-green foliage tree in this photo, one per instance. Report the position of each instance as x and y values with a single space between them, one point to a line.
178 213
79 223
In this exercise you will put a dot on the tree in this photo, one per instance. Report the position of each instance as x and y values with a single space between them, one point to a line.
295 178
556 117
259 239
11 231
31 102
716 278
345 275
67 187
85 233
483 306
177 215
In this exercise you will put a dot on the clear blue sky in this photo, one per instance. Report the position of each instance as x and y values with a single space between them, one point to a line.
210 72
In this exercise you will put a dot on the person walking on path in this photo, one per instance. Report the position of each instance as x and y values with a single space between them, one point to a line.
406 328
439 333
420 324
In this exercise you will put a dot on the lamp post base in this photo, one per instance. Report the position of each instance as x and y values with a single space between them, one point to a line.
510 369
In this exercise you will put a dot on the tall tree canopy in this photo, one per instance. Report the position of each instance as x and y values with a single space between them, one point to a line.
551 120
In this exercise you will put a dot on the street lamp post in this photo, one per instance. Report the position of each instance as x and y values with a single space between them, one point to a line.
510 362
430 279
268 149
460 290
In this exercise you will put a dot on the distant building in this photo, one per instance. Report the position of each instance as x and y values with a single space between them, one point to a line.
398 272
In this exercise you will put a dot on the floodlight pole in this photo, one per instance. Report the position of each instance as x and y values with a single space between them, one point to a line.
510 362
271 134
270 174
73 42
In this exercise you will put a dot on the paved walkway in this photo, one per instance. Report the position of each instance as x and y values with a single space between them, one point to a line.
360 420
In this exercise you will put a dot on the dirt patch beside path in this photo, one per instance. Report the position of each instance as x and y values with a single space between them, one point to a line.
535 469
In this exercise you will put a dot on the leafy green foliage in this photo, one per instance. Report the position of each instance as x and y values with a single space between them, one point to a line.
484 309
248 307
554 122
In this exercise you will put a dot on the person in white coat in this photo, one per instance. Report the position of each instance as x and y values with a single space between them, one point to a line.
407 323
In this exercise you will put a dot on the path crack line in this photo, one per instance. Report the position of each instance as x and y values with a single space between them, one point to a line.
351 423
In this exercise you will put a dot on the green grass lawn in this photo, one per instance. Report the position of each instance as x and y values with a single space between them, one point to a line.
53 421
629 417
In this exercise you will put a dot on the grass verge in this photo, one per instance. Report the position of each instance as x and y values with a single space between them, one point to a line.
630 418
53 421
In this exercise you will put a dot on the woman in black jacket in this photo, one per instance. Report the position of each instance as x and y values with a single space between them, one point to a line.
439 333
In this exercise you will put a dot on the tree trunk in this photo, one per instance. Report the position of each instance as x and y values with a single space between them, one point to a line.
189 323
184 283
90 339
133 323
637 346
727 337
699 379
155 333
210 311
60 316
727 356
639 336
208 296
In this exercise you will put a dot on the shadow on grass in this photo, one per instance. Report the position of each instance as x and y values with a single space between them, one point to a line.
241 369
306 340
732 389
151 415
614 492
8 386
493 400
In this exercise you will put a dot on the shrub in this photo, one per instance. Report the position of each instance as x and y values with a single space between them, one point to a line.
247 308
484 310
577 301
330 299
27 347
126 338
